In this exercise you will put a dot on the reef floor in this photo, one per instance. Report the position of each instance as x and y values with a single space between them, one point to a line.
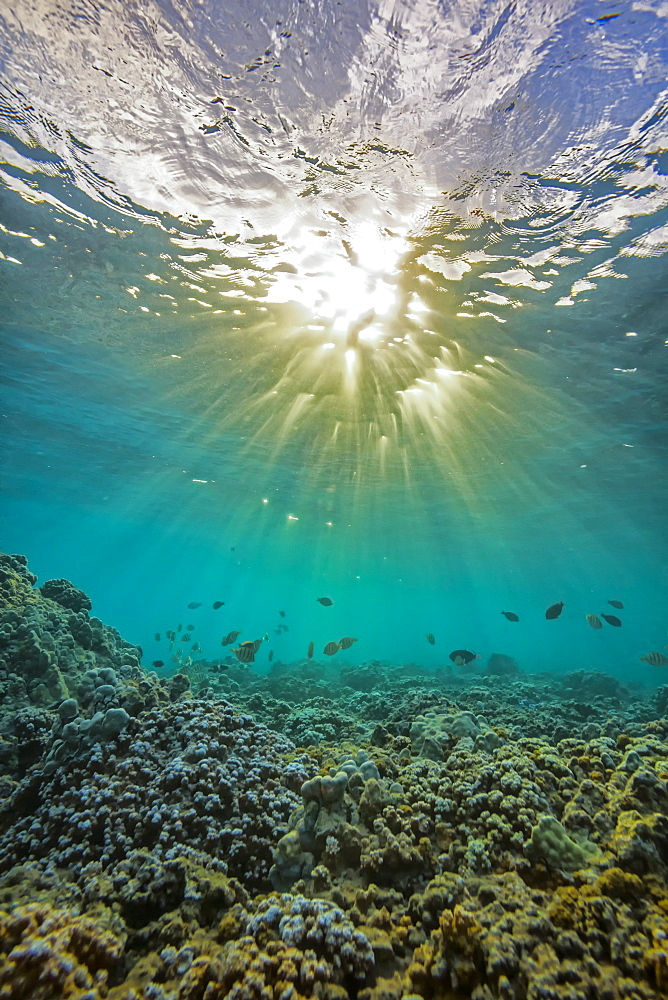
313 833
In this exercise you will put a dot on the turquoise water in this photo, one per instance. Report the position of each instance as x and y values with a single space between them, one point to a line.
366 303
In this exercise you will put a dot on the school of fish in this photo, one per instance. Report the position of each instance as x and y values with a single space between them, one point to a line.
247 650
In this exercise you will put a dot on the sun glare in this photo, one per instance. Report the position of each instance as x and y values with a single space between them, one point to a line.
359 360
349 293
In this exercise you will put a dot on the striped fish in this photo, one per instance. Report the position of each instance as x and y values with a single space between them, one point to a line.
655 659
594 621
331 648
346 642
245 654
229 638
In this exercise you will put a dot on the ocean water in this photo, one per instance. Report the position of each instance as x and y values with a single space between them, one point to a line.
368 302
363 300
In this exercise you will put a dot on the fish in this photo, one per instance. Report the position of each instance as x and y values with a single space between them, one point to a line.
194 604
612 620
189 628
331 648
158 663
157 637
282 614
655 659
460 657
245 654
285 628
171 635
554 610
179 628
616 604
186 637
217 604
430 638
271 655
311 648
196 648
278 631
265 637
253 644
594 621
511 616
325 601
346 642
175 658
229 638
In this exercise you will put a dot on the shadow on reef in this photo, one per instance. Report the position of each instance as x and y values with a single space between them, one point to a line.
418 836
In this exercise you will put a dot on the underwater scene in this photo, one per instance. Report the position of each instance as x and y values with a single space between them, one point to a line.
334 500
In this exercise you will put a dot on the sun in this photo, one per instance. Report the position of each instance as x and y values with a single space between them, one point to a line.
351 293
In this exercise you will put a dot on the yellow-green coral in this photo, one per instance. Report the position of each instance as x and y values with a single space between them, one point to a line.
550 843
47 953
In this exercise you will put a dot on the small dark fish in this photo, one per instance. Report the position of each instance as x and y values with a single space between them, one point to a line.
175 658
554 610
186 637
311 648
286 628
278 631
232 548
511 616
217 604
616 604
245 654
655 659
612 620
282 614
171 636
325 601
194 604
195 648
460 657
331 648
346 642
271 655
158 663
594 621
229 638
157 637
430 638
179 627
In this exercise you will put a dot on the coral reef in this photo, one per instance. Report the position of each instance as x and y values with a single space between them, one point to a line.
48 641
379 832
193 776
